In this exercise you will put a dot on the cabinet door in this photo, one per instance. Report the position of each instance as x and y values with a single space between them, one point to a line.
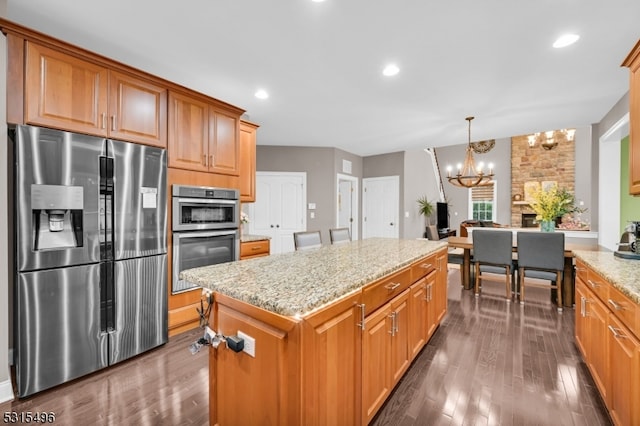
432 322
376 356
582 320
417 316
400 353
223 143
624 363
598 359
247 163
634 125
137 110
331 364
64 92
188 133
440 288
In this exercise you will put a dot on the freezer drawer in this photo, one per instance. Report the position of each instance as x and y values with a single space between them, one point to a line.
57 336
141 306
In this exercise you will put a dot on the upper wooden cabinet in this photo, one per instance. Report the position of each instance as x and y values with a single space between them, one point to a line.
65 92
202 137
633 63
248 161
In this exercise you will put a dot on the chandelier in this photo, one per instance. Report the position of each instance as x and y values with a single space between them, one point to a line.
551 139
468 175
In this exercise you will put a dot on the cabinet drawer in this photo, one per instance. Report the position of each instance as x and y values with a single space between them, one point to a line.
582 271
624 309
423 267
598 285
254 248
378 293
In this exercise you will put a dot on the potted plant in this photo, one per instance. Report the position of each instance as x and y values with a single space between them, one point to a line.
425 208
550 204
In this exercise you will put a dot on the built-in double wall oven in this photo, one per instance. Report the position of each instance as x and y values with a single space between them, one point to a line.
205 225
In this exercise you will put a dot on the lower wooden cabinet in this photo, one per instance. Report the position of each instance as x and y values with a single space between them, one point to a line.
606 333
250 249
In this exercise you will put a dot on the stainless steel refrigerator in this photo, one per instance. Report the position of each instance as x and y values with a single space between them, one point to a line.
91 263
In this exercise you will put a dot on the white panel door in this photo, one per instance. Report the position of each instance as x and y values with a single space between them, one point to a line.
347 204
381 203
279 209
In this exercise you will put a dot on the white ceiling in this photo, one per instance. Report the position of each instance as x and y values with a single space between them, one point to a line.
322 62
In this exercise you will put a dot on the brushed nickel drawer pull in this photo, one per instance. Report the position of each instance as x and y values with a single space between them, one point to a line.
256 248
104 120
594 285
426 265
616 333
615 305
392 286
361 324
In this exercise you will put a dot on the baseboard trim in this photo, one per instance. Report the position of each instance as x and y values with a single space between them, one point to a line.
6 391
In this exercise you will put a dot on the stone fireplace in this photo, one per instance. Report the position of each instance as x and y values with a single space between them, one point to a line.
538 165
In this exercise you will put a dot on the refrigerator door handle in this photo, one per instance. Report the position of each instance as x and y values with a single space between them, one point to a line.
107 298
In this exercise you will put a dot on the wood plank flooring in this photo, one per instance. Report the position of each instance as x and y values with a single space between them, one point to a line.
497 363
489 363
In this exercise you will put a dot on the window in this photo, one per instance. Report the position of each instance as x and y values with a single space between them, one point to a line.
482 202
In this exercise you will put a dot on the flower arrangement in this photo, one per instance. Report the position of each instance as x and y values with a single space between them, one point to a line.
244 218
552 202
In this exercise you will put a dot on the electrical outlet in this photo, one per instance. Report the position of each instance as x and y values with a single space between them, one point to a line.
249 344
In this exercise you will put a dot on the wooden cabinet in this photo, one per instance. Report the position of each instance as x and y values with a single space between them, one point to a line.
418 316
606 332
440 289
69 93
633 63
385 353
248 161
250 249
202 136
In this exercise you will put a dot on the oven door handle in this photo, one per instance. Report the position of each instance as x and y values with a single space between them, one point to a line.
198 234
206 201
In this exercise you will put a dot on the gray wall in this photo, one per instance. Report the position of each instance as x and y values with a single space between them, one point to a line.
419 181
458 198
320 164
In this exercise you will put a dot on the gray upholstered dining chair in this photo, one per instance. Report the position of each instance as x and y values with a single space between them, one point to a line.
307 240
339 235
493 255
541 256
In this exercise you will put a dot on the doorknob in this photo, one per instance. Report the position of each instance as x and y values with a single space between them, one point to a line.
272 226
391 224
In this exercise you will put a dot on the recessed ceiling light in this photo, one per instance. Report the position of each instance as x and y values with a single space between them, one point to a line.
317 1
566 40
261 94
391 69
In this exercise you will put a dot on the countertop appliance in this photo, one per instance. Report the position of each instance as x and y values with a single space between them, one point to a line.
629 245
91 262
205 225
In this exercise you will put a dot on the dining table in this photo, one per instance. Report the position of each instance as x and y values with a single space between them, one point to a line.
568 281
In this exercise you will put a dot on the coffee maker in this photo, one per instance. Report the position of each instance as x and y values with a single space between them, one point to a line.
629 245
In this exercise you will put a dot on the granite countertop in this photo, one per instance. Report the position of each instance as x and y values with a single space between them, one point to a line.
247 238
294 284
622 273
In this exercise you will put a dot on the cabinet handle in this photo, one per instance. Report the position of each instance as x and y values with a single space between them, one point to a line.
393 324
615 305
583 306
616 333
211 160
392 286
113 123
593 285
361 324
204 159
255 248
104 120
427 265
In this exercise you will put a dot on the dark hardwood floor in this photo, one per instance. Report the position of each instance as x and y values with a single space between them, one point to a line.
496 363
489 363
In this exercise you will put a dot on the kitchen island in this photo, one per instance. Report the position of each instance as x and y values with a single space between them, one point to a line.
333 329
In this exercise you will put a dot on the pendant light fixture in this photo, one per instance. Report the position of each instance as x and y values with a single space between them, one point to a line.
468 175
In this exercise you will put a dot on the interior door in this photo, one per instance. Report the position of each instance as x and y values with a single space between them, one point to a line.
279 209
381 203
347 204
